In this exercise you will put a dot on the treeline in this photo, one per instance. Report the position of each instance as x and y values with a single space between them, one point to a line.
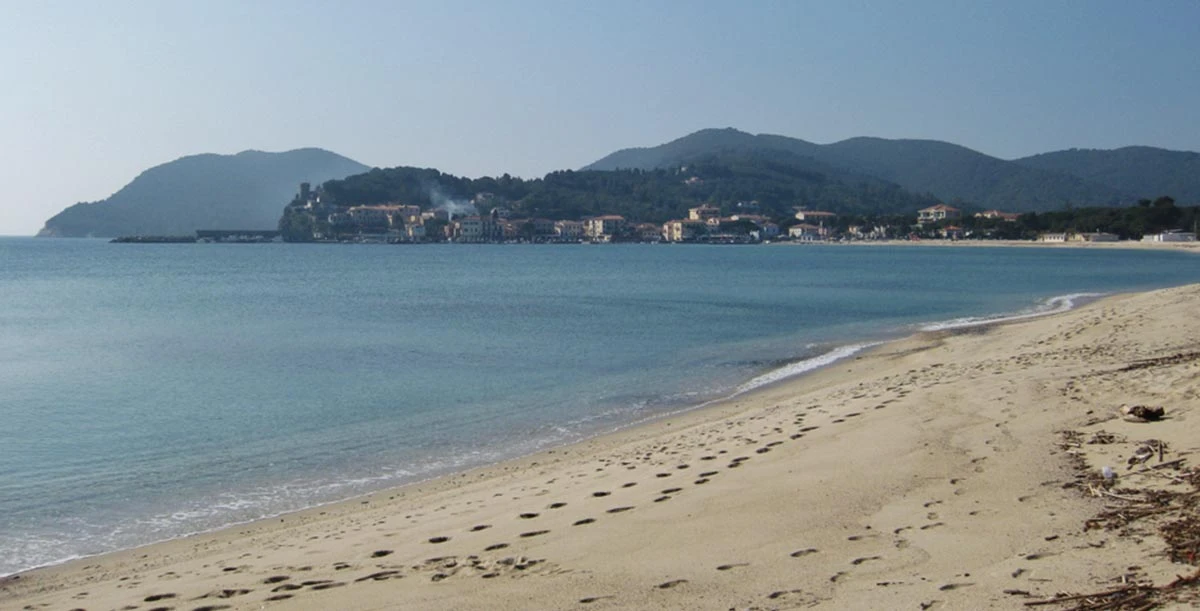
1146 217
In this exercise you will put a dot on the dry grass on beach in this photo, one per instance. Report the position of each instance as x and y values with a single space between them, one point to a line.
950 470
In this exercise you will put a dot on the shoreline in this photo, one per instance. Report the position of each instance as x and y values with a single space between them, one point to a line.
790 371
840 468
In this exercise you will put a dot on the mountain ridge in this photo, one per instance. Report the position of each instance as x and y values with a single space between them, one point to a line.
948 171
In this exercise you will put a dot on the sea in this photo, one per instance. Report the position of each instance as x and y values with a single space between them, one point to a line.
151 391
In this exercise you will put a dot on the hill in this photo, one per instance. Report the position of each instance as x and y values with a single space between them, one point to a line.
776 181
243 191
1142 171
946 171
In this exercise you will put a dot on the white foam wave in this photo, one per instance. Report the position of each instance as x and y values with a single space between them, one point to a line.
804 366
1053 305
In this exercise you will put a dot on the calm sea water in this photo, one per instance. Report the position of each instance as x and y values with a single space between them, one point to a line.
150 391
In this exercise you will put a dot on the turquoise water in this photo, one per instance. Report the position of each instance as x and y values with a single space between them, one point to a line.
150 391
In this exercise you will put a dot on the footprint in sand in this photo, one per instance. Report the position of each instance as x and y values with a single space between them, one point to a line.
439 539
601 493
858 561
279 597
479 527
703 480
534 533
671 584
276 578
803 552
155 597
379 576
584 521
212 608
381 553
619 509
557 505
954 586
287 587
726 567
326 586
528 516
629 485
661 499
232 593
494 547
591 599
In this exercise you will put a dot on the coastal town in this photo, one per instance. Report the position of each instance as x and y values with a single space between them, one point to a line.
741 223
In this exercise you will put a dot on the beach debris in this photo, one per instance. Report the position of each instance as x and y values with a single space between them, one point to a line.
1108 473
1142 413
1138 596
1140 455
1103 438
1174 359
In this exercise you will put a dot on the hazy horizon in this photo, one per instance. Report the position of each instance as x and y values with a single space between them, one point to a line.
100 93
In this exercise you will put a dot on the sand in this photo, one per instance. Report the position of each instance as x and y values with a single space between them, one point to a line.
949 470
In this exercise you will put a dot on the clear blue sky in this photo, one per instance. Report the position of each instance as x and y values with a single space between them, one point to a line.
96 92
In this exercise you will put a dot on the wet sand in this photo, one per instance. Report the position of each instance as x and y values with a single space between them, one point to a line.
949 470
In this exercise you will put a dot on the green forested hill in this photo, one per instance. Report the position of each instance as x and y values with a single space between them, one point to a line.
243 191
1139 170
777 180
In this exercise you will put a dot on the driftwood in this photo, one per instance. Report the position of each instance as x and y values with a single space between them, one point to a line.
1137 597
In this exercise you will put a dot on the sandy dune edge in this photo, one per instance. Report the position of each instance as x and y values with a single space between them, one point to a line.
932 472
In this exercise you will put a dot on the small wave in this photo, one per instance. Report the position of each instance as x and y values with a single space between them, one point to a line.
804 366
1053 305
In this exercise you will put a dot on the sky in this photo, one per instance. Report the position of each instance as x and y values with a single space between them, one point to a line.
94 93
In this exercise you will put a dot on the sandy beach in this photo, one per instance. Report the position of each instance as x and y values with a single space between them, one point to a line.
949 470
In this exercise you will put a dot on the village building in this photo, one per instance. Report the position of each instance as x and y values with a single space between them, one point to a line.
476 229
1174 235
648 232
568 230
940 212
996 214
603 228
703 213
806 232
951 232
1093 236
818 217
684 230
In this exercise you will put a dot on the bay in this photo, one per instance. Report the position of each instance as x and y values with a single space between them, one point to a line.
151 391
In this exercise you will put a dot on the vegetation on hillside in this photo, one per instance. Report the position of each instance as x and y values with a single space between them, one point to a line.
777 184
953 173
1141 170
